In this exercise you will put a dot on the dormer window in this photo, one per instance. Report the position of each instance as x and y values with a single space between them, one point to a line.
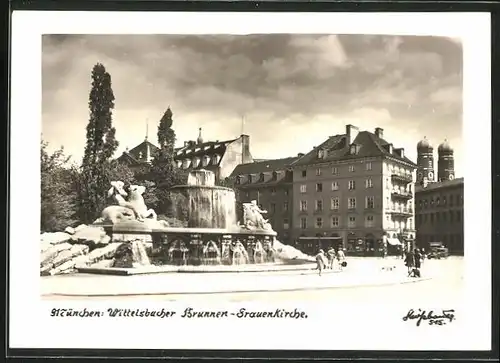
205 160
215 159
196 162
179 163
140 155
275 175
261 177
250 178
354 149
238 180
186 163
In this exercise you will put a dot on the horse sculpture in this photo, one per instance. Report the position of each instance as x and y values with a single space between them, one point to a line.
127 210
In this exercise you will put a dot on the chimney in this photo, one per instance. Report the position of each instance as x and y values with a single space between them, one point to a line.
246 157
351 133
379 132
300 155
390 148
402 152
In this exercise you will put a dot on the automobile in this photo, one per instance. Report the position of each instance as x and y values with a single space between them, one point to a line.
437 250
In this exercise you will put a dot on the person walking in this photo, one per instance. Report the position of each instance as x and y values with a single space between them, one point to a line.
410 261
320 261
418 258
341 258
331 257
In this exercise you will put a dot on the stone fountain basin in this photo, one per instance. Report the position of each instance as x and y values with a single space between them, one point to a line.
149 227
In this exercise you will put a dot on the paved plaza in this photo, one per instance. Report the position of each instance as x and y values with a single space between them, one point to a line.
364 278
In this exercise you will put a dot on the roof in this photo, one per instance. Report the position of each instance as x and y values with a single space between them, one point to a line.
438 185
142 147
128 159
263 166
337 149
210 148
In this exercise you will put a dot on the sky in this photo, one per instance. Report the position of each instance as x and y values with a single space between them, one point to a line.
291 90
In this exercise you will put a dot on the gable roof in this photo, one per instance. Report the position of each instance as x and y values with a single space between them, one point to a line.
142 147
125 157
263 166
337 149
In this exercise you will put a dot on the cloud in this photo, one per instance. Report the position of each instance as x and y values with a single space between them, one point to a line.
289 87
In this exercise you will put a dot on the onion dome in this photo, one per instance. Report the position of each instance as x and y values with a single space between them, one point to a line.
445 147
424 144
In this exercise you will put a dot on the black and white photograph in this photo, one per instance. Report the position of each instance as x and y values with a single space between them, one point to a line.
242 181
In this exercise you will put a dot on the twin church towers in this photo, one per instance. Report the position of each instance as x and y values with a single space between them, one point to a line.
425 162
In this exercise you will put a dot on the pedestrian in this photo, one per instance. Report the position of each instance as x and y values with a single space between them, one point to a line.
410 261
341 258
320 261
418 259
331 257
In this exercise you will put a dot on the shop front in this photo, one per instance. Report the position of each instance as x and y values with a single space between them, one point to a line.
312 245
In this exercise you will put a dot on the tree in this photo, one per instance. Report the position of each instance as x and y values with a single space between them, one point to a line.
164 173
57 197
100 147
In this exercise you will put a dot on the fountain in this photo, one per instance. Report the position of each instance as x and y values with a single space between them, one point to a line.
211 236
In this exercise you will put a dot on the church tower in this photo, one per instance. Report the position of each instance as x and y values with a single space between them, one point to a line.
446 162
425 161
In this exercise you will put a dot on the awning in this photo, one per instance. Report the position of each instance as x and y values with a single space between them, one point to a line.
393 241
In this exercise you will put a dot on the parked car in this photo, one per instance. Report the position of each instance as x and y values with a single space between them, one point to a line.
437 250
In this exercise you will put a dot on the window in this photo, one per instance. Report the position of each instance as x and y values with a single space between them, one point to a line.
370 202
273 191
335 185
303 223
432 202
369 183
334 203
238 180
352 168
444 200
437 217
319 222
335 170
437 201
319 205
369 221
351 203
335 221
352 222
303 205
286 192
319 187
304 173
451 200
285 206
352 184
318 172
286 223
303 188
432 217
368 165
273 207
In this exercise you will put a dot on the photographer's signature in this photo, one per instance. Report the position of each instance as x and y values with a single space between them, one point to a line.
432 318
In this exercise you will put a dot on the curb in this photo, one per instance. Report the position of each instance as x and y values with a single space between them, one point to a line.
412 281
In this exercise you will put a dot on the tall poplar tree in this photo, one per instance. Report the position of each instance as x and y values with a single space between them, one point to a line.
100 147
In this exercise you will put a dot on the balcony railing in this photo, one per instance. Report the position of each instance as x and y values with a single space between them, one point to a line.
404 178
402 212
402 194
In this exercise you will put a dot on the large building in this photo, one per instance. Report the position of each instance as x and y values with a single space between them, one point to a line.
269 182
439 204
355 190
221 157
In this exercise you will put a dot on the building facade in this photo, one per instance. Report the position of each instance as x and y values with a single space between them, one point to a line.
440 214
270 183
221 157
439 204
355 190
